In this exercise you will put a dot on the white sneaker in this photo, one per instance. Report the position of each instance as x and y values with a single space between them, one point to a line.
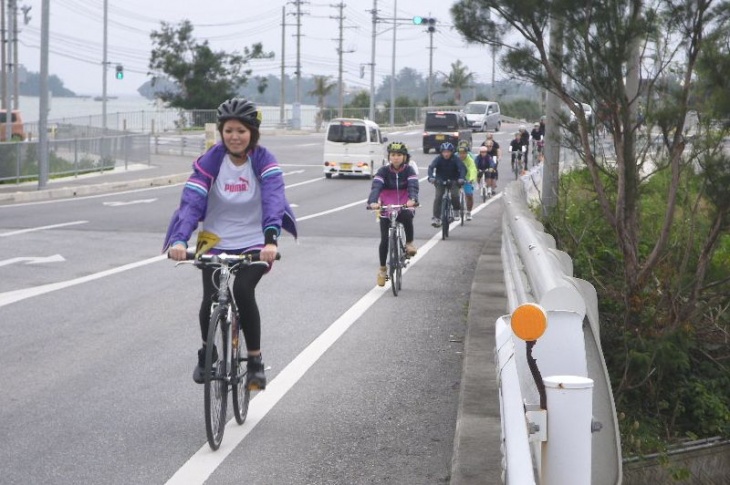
468 216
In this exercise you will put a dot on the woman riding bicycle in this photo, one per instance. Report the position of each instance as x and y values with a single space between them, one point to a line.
395 184
446 167
237 191
487 168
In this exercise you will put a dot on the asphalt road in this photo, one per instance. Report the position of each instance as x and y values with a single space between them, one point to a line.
99 336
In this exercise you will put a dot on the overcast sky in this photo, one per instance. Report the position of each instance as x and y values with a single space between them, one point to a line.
76 38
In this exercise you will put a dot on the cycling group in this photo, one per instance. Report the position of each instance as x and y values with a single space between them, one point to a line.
520 147
236 194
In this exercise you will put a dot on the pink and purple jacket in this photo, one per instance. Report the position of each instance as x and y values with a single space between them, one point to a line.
392 186
276 213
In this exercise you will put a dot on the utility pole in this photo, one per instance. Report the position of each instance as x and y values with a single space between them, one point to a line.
7 53
3 49
552 129
372 61
282 95
430 64
43 111
16 89
104 66
340 52
392 67
297 108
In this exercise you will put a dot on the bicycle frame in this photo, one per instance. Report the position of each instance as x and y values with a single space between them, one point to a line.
397 260
446 208
223 354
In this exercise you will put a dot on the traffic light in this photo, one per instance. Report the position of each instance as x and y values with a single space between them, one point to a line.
430 21
120 71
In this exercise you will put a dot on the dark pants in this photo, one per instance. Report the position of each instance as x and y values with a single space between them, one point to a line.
405 217
440 193
244 293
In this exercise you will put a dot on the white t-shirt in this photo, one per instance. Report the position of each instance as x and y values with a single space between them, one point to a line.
234 207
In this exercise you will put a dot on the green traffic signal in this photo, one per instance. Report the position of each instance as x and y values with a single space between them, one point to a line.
120 71
418 20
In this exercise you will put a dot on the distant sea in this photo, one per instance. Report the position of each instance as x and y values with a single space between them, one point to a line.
64 108
61 108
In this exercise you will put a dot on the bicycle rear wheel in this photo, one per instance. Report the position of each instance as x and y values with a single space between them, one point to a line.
216 384
393 273
241 394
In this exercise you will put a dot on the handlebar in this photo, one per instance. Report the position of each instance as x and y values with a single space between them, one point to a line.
222 259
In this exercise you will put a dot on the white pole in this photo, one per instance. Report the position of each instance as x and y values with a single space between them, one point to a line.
566 456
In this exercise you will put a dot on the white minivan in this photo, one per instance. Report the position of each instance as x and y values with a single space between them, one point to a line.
353 146
483 115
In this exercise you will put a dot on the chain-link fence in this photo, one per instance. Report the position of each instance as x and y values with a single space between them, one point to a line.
19 162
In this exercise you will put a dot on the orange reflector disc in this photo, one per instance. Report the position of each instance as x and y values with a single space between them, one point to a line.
529 321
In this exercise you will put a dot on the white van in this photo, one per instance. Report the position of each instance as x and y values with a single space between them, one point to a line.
483 115
353 146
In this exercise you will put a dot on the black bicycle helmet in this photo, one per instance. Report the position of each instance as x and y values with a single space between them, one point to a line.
398 147
239 109
446 146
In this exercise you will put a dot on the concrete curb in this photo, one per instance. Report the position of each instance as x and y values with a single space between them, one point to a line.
93 189
477 457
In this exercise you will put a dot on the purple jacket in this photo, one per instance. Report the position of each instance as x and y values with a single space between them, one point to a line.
276 213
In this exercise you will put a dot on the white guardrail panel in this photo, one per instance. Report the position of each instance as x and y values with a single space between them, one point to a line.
537 272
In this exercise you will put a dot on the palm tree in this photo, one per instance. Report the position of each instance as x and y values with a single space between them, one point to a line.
459 78
322 88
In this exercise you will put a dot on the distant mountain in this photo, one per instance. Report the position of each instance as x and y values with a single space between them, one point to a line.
161 85
30 84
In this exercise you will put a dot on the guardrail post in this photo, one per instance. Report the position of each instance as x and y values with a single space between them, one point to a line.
566 456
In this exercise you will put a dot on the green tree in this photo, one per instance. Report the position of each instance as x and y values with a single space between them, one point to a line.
322 88
618 54
459 78
203 78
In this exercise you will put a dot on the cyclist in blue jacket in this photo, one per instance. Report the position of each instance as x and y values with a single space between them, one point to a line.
446 167
395 184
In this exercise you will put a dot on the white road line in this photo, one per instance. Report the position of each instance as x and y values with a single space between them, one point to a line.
42 228
15 296
318 179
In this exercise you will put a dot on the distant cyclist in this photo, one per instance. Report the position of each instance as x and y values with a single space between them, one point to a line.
537 139
487 168
471 175
237 191
519 153
446 166
395 184
525 138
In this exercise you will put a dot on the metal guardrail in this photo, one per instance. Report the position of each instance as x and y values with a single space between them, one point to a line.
568 353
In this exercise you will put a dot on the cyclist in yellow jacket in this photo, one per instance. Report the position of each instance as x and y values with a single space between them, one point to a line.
471 175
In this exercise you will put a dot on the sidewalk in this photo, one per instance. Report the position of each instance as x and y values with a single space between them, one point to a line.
477 457
162 170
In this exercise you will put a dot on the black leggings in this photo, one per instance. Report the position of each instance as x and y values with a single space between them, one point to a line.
244 293
405 217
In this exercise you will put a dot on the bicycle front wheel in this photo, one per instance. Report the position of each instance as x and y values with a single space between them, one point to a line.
445 217
462 206
393 250
484 192
241 394
216 383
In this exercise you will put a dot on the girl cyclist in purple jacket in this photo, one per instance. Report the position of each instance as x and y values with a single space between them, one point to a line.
236 191
395 184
